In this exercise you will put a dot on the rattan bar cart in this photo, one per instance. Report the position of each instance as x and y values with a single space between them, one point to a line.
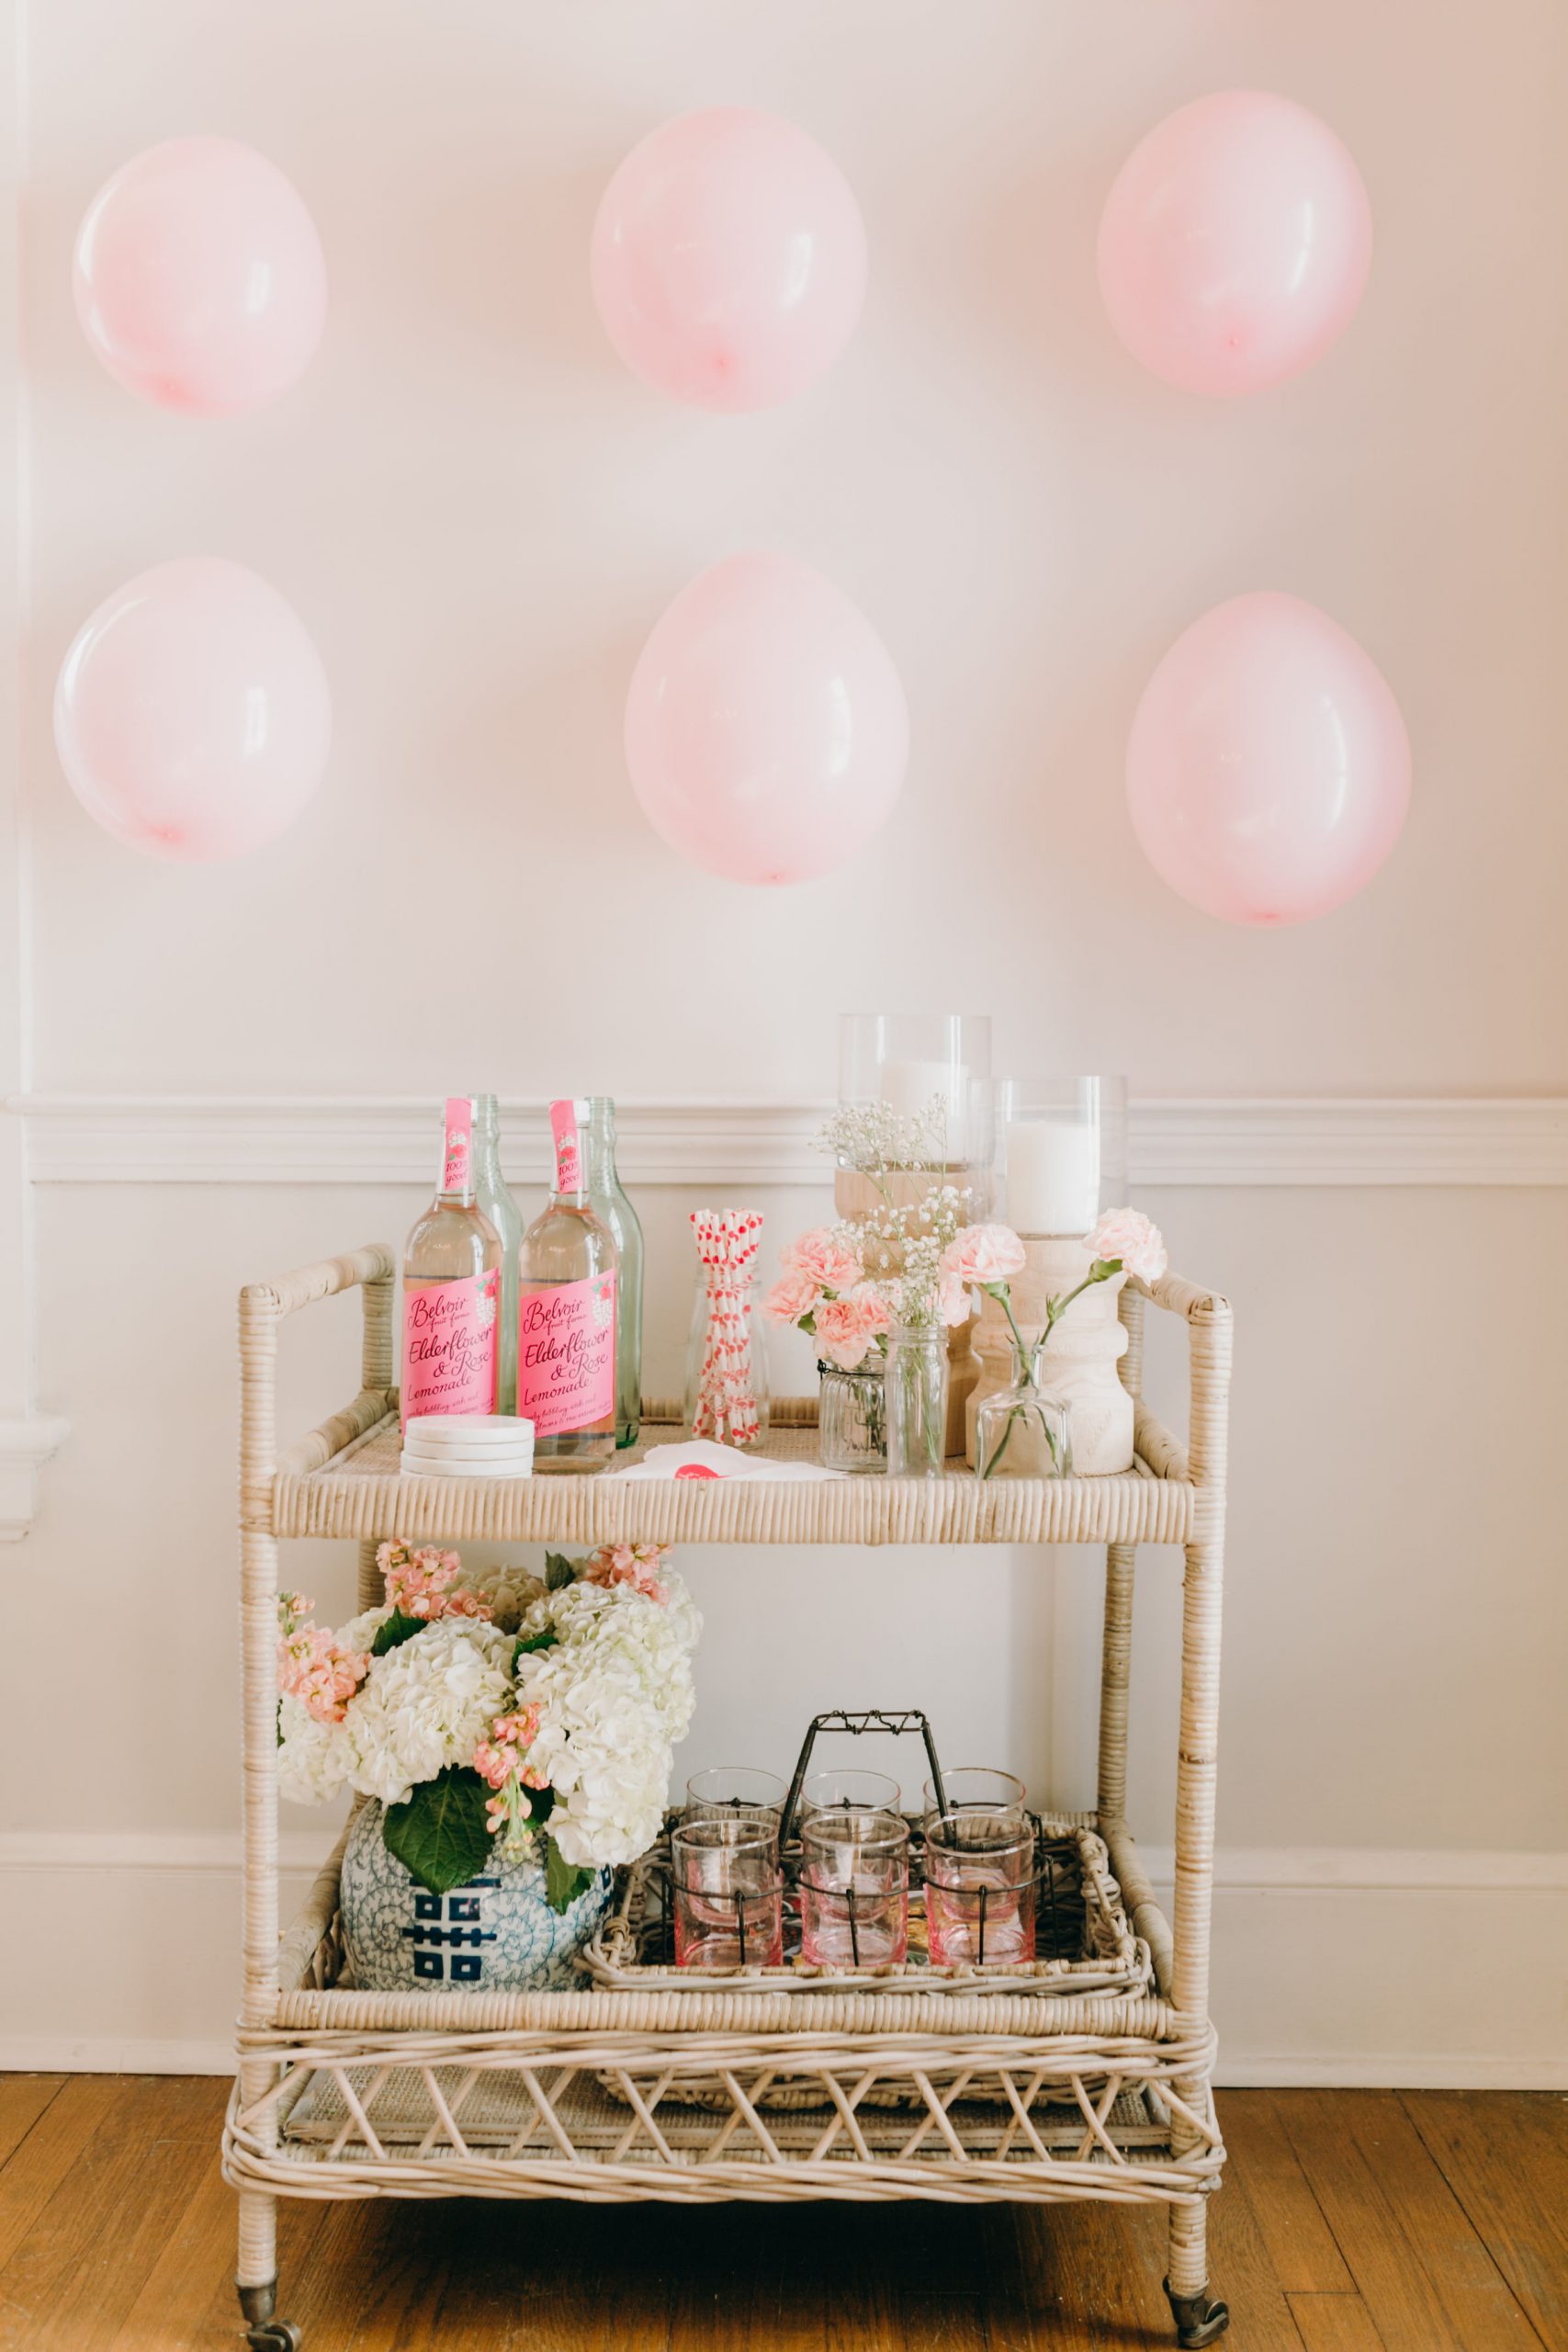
1090 2084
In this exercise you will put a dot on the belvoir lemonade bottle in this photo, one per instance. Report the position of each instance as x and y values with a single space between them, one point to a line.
452 1288
566 1314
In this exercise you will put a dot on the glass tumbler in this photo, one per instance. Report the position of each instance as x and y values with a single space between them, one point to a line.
978 1788
980 1888
727 1788
728 1893
849 1791
854 1889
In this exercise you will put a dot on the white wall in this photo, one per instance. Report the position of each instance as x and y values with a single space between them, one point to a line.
479 515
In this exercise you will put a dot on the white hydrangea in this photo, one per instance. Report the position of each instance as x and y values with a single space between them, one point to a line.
310 1760
508 1589
424 1705
612 1693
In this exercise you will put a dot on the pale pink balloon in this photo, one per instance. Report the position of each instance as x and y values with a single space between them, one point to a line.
1235 243
199 278
728 259
767 733
192 714
1268 768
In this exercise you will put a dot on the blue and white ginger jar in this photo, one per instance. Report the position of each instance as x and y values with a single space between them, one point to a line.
498 1933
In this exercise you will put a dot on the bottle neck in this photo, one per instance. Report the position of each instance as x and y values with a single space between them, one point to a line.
569 1186
598 1146
456 1185
486 1153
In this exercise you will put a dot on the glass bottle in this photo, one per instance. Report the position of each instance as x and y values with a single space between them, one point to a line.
493 1198
613 1209
851 1432
566 1313
452 1271
1022 1431
915 1408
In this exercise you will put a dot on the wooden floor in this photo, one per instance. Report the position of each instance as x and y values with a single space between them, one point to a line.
1421 2221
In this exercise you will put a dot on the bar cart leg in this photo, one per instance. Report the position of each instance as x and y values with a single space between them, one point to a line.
1199 2320
258 2252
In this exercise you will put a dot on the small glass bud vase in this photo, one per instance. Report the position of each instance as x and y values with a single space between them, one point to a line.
852 1430
915 1385
1022 1431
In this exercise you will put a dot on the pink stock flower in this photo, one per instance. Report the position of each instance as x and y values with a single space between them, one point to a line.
418 1583
634 1563
792 1296
822 1257
1128 1234
312 1669
844 1332
985 1253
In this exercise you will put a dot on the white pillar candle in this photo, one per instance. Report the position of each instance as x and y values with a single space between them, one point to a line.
910 1087
1053 1175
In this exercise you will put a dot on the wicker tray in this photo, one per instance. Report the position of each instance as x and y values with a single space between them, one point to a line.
1088 1943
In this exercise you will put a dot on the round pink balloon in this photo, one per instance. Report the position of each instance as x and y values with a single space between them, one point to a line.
199 278
728 259
1268 768
767 733
192 714
1235 243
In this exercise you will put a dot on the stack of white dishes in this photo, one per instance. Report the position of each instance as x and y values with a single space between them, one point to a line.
468 1445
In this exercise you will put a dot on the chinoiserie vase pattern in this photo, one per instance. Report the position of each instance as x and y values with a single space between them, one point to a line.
498 1933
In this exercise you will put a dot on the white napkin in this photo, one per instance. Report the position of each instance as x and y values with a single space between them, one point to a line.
700 1457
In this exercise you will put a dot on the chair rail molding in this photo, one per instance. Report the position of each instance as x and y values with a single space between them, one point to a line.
26 1442
370 1139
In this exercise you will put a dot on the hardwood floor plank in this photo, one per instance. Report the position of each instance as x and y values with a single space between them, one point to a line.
188 2303
1092 2274
1299 2241
23 2099
1367 2205
42 2160
1335 2324
1504 2155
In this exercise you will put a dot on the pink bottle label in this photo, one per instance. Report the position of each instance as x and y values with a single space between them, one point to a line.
450 1331
458 1156
563 1128
566 1354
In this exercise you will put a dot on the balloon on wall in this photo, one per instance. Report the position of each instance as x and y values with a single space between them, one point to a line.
728 259
1235 243
192 714
199 278
1268 768
767 733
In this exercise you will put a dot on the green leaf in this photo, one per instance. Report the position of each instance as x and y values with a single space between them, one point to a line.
529 1642
558 1572
541 1804
397 1629
563 1883
442 1836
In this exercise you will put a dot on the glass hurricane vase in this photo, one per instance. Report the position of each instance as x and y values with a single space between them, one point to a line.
1022 1431
916 1382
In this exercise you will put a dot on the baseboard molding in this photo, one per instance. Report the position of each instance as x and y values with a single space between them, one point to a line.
363 1139
1340 1966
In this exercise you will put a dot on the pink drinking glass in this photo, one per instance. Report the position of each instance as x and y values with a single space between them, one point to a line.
854 1888
728 1893
981 1883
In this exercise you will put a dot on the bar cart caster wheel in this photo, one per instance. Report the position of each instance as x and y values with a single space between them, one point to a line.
274 2336
1198 2321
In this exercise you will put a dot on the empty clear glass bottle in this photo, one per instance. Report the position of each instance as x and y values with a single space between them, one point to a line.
613 1209
493 1198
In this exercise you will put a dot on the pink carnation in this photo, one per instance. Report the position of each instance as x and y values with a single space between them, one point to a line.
953 1300
985 1253
1128 1234
823 1260
845 1328
873 1307
790 1298
634 1563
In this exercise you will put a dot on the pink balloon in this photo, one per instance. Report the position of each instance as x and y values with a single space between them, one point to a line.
192 714
1268 768
767 733
199 278
1235 243
728 259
